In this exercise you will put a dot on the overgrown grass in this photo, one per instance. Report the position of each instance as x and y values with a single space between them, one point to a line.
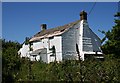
85 71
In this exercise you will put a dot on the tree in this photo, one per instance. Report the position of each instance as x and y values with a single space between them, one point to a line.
112 45
10 61
27 40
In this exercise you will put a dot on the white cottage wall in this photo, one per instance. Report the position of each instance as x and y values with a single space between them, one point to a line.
57 42
37 45
89 41
44 43
45 55
81 39
41 44
58 46
24 51
69 41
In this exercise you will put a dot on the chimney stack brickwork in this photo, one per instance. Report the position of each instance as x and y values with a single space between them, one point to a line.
83 15
43 27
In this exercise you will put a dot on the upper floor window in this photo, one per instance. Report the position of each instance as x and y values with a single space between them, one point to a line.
51 37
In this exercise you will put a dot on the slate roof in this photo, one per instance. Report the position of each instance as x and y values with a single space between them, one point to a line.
52 30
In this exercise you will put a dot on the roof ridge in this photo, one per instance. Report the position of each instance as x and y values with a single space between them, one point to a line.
66 24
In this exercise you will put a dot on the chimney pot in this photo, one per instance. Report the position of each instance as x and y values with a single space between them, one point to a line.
43 27
83 15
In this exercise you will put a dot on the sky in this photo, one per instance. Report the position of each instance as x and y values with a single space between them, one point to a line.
23 19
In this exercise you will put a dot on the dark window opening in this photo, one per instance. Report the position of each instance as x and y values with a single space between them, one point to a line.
94 57
51 37
31 43
42 38
52 55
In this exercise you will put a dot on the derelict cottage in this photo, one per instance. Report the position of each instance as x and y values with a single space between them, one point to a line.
63 42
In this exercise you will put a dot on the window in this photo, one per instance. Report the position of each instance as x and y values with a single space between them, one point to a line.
51 37
52 55
31 49
31 43
37 41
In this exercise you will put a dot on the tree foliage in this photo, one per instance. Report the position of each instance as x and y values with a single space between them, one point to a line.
10 60
112 45
92 71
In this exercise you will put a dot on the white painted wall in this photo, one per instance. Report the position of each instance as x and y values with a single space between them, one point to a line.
43 44
89 41
80 33
48 43
37 45
24 50
58 47
69 41
81 40
57 42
